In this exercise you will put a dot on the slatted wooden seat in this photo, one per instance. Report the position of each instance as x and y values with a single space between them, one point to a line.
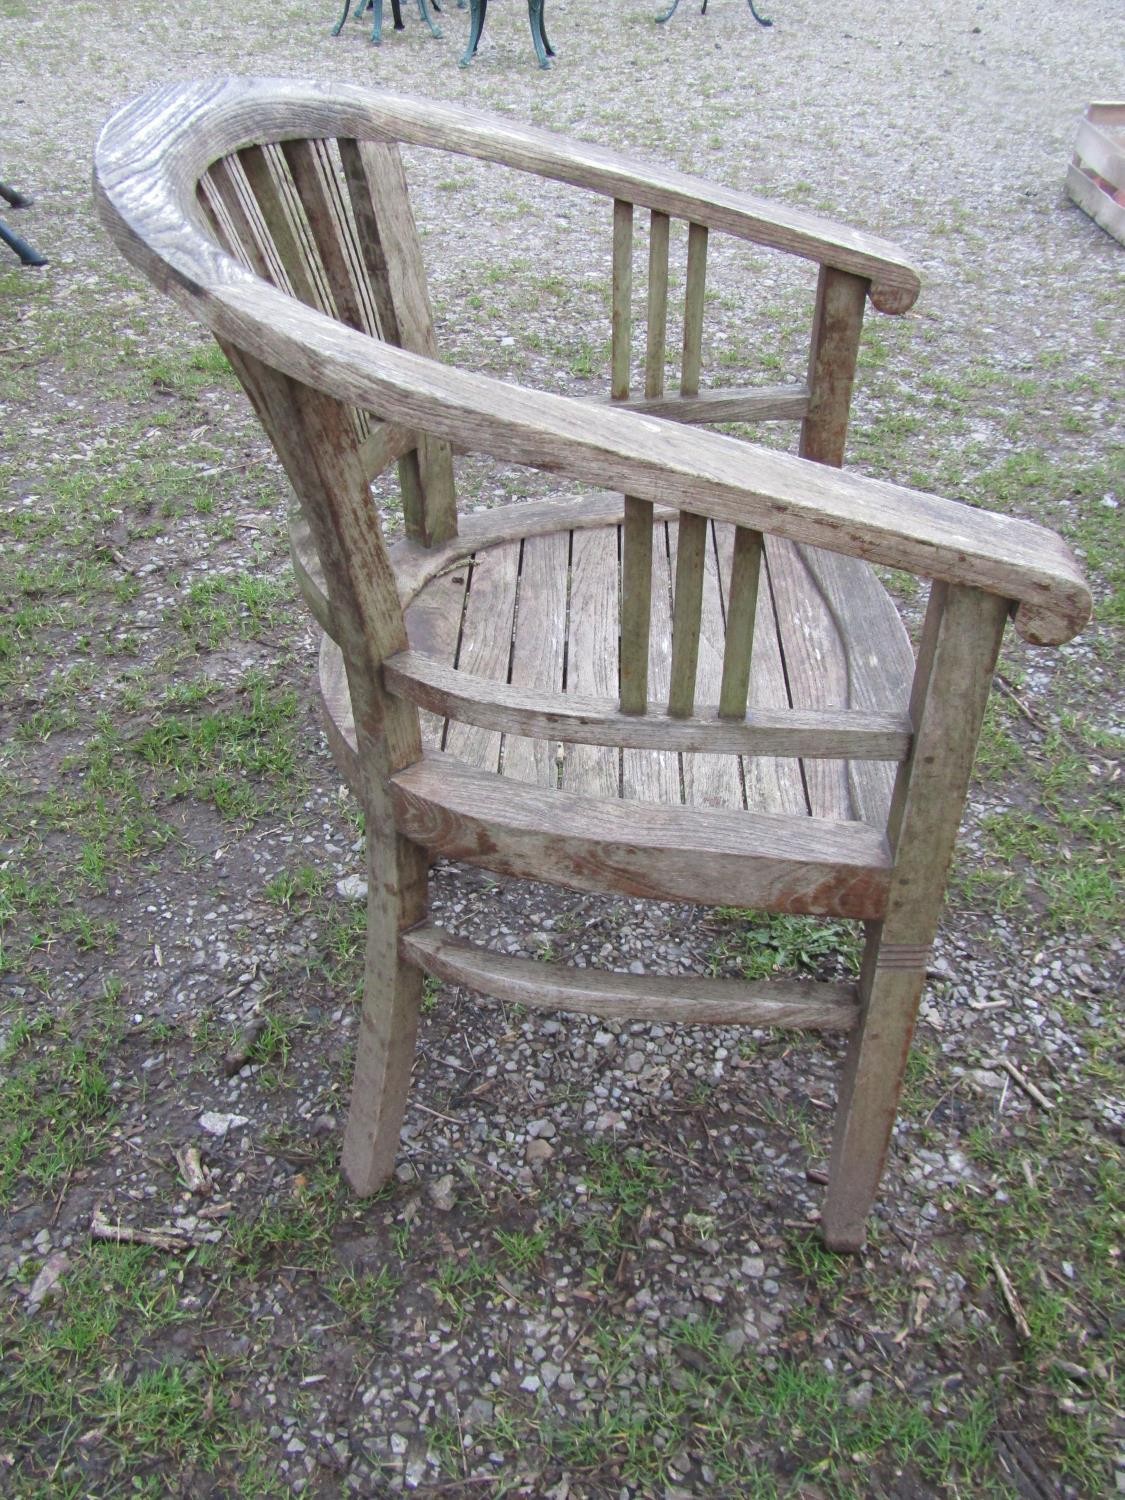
679 678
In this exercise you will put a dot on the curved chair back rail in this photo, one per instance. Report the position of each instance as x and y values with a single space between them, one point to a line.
151 156
692 688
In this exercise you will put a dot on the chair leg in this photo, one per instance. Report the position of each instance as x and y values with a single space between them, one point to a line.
392 994
478 9
890 989
423 11
27 253
956 657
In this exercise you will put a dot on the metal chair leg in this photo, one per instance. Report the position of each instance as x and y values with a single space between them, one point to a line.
477 10
26 253
435 30
543 49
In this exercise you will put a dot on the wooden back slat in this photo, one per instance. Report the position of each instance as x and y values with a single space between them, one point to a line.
289 232
693 310
656 339
393 272
636 533
316 185
232 209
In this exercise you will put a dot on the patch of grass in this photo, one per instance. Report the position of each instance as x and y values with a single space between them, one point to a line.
688 1405
215 755
56 1105
1054 1218
763 943
77 1386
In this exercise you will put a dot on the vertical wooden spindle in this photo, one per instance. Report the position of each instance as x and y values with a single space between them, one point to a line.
691 548
636 536
742 609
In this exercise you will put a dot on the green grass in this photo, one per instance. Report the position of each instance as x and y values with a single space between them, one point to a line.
759 944
76 1381
685 1408
56 1105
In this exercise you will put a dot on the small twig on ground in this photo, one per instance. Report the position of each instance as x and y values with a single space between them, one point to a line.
1025 1083
1011 1300
125 1234
1009 692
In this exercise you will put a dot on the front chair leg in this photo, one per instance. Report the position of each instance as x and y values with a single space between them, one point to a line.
388 1027
761 20
671 11
956 659
870 1088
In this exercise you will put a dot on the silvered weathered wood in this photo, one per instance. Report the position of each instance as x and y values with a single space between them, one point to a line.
716 858
742 610
958 653
538 656
727 404
621 316
712 780
538 710
651 997
657 323
635 455
691 361
485 646
653 774
837 320
591 668
392 260
691 549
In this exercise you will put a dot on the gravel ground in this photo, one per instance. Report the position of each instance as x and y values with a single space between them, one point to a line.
573 1197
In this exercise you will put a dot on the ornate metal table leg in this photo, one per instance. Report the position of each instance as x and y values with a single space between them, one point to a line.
761 20
668 14
477 11
29 256
435 30
543 49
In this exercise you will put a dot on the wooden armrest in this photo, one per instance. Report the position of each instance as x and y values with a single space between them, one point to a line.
247 111
665 462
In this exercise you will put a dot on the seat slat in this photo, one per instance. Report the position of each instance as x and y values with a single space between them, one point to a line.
433 625
714 858
880 663
690 1001
485 644
654 775
711 780
816 667
539 650
591 659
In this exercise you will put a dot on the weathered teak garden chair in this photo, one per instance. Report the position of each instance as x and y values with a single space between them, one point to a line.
585 662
